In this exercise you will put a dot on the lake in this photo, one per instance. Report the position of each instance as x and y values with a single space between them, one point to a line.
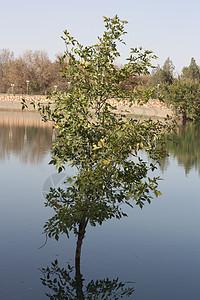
156 249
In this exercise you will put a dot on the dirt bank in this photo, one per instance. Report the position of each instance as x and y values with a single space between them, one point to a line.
156 112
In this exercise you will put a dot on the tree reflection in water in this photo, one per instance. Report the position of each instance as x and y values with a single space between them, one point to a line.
64 285
185 147
24 135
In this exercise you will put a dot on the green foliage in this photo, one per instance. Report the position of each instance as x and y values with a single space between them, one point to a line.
184 97
103 145
34 87
164 75
192 72
108 176
183 94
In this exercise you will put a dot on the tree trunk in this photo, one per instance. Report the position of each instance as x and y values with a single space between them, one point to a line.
81 234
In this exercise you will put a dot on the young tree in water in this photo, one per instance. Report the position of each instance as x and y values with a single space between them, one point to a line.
103 146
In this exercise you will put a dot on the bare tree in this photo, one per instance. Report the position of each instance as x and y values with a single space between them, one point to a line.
6 58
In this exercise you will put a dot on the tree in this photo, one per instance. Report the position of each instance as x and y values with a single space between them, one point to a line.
103 146
19 75
6 58
168 71
164 75
184 96
39 69
192 72
35 66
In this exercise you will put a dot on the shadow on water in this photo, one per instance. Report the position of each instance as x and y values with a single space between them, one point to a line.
185 148
24 135
68 283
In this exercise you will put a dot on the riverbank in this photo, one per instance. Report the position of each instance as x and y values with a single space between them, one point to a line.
154 108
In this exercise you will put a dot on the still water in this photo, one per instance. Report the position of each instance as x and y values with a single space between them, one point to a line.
156 248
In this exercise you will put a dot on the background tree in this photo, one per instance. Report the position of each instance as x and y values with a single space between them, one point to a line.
44 75
163 75
167 75
184 96
35 66
6 58
39 69
102 145
57 76
18 75
192 72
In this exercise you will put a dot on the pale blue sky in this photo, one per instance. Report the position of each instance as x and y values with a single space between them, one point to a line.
169 28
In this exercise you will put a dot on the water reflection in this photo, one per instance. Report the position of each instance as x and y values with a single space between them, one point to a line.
24 135
185 148
64 284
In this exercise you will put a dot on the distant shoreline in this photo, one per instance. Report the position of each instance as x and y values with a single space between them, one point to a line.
153 108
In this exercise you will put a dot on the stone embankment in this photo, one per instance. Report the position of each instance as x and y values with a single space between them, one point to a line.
13 102
153 108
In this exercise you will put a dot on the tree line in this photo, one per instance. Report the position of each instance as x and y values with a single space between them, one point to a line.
35 74
32 72
181 92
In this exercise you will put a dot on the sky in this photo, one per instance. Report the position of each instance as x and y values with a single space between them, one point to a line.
168 28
